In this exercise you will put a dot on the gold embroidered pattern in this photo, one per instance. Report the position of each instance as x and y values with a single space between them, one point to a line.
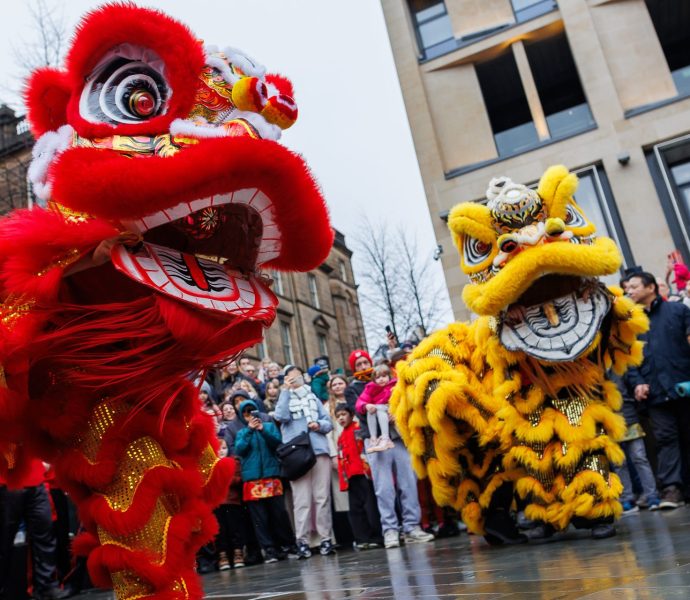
139 457
129 586
66 259
572 408
207 461
13 308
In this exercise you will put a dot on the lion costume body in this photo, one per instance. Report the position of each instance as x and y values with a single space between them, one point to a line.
520 395
164 193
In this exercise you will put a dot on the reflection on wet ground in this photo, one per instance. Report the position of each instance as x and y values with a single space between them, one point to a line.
649 559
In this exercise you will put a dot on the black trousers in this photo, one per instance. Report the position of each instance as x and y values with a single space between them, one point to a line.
671 425
271 522
231 522
32 505
364 512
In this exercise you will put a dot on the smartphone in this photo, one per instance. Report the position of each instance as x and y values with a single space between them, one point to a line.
255 414
388 329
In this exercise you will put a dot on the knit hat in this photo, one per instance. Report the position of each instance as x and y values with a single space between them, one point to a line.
355 355
289 368
241 393
314 370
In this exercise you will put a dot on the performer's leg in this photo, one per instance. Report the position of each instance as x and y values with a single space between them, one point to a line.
498 523
39 527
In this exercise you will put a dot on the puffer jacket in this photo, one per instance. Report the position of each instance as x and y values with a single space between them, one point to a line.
257 449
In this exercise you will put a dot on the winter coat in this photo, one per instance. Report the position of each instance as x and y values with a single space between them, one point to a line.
374 394
257 449
350 449
319 385
291 428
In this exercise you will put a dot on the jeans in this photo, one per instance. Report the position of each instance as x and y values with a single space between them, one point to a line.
392 469
635 453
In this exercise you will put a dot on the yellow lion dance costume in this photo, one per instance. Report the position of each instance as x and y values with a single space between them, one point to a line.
519 399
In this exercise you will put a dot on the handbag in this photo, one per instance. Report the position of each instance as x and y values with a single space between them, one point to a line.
296 457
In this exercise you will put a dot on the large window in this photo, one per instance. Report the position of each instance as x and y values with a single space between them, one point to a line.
323 343
278 284
558 84
506 104
432 23
529 9
286 341
671 20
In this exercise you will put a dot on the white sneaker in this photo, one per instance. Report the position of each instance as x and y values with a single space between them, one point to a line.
391 538
373 445
418 535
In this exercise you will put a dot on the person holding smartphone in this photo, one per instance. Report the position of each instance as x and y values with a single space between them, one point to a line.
262 489
299 410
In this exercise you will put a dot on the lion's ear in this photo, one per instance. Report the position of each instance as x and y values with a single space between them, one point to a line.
47 94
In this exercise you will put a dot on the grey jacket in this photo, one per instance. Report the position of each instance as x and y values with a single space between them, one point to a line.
290 428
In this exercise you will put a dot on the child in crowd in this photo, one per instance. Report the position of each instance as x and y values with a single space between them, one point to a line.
374 403
355 477
230 515
262 491
635 453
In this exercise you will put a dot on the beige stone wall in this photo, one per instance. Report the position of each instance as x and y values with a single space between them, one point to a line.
473 16
620 65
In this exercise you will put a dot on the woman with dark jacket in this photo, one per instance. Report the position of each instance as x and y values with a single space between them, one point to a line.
262 491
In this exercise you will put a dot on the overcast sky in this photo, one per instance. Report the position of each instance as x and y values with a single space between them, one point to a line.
352 127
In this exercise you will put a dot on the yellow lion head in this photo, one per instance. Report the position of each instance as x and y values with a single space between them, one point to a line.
533 255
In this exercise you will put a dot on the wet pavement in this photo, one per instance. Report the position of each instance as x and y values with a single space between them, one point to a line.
649 559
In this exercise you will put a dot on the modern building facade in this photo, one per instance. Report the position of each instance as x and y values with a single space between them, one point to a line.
509 87
318 313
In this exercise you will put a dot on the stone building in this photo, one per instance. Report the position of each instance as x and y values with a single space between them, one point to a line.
509 87
318 313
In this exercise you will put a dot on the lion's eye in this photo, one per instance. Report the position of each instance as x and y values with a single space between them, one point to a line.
122 90
475 251
573 218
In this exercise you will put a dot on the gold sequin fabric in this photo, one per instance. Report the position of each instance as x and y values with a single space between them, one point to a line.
207 461
103 417
14 308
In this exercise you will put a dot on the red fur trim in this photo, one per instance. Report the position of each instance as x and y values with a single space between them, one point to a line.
115 187
216 489
283 84
106 27
46 95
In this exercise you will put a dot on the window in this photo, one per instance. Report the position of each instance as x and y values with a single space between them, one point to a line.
323 344
671 20
529 9
558 84
278 283
432 23
261 349
313 291
343 271
506 104
286 341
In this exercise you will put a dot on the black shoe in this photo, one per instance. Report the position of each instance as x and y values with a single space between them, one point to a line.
671 497
448 529
601 532
326 548
303 549
540 531
501 529
270 556
290 551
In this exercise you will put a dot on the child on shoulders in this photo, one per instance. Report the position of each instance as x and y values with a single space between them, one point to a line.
373 401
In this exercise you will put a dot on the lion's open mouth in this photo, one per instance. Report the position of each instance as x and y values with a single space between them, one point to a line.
556 319
208 253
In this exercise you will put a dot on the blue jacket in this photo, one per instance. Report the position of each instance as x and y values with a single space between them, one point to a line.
666 352
290 428
257 449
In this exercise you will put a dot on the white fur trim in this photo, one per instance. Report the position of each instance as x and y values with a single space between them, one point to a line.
45 151
245 62
220 65
198 129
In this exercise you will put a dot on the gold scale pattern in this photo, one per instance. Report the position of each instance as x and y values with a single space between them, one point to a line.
128 586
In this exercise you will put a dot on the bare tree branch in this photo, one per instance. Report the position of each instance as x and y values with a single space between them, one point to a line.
47 50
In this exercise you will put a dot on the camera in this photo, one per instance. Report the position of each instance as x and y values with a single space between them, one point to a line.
255 414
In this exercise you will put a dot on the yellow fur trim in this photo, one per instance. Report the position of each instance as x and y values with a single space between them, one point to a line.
556 188
470 218
472 517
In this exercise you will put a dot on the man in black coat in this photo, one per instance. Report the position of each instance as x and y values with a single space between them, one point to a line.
666 363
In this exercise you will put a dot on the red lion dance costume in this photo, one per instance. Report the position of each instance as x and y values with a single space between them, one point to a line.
164 192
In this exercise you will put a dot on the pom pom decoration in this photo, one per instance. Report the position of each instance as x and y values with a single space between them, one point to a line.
249 93
280 110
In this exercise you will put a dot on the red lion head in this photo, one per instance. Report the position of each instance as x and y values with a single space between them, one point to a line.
173 146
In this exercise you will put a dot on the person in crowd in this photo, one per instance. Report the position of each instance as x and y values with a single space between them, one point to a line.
262 491
248 372
31 504
271 393
373 402
299 410
223 379
319 373
247 386
361 366
273 373
262 375
391 469
355 477
228 414
230 515
635 453
666 363
208 404
234 426
341 506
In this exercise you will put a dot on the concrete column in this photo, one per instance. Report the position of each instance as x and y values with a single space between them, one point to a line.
473 16
531 91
